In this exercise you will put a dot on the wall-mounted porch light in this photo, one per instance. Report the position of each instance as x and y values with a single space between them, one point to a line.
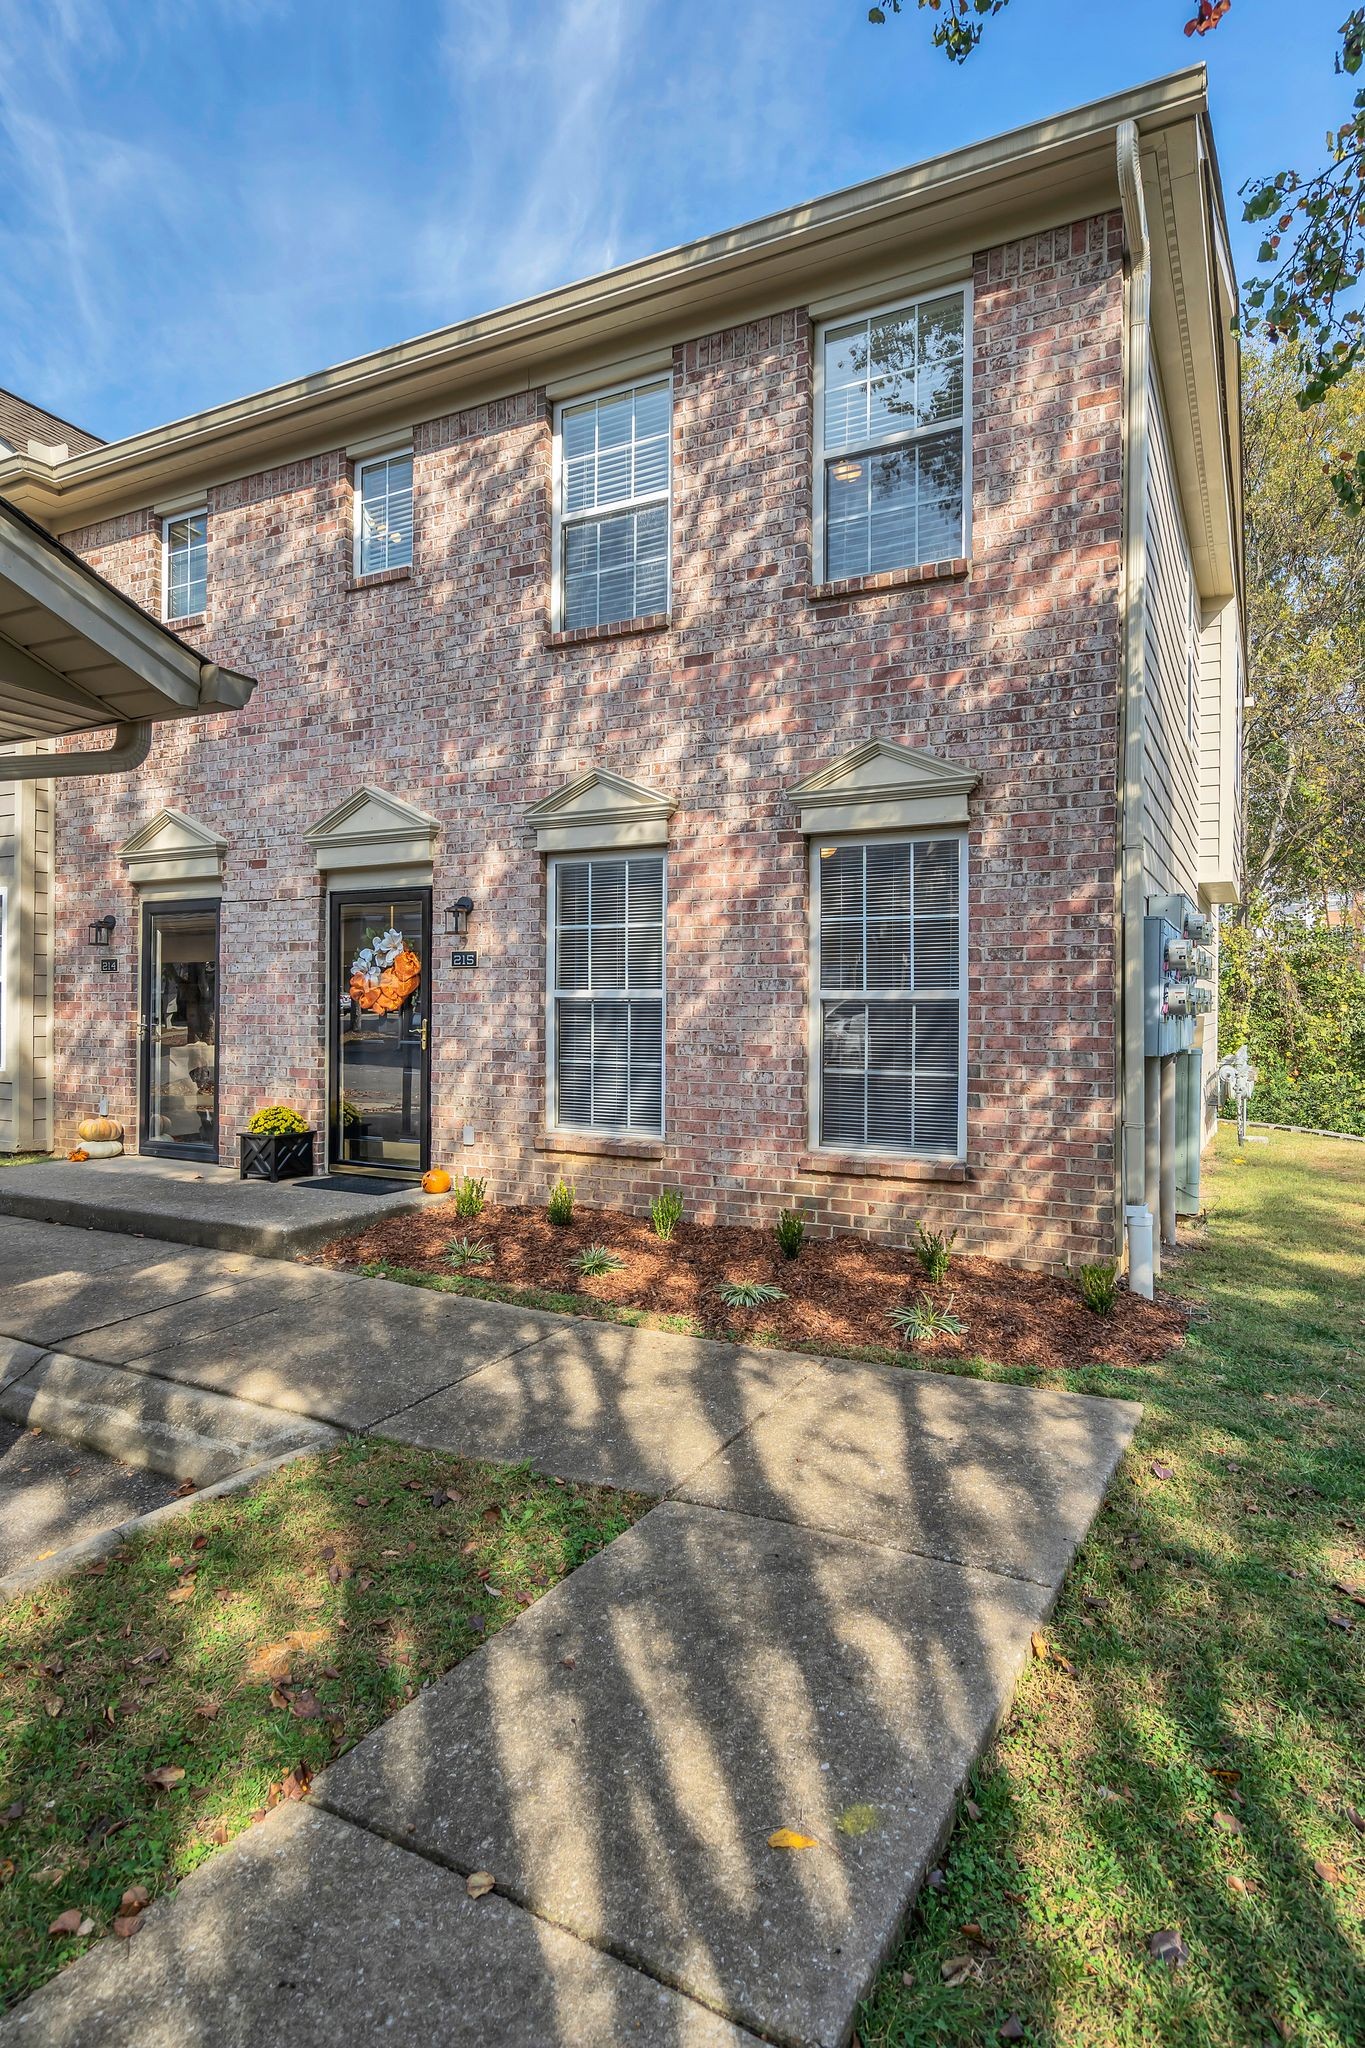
457 916
101 930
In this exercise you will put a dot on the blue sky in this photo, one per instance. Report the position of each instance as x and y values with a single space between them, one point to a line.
201 197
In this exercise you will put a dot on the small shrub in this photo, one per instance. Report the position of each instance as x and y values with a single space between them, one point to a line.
665 1213
468 1195
468 1251
597 1259
925 1320
790 1232
1099 1286
750 1293
933 1249
559 1208
276 1120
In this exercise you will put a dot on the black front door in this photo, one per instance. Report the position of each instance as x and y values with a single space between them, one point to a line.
178 1030
379 1063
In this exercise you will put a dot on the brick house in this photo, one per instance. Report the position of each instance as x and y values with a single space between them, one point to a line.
729 724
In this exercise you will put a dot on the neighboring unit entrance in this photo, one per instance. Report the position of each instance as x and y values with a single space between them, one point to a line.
379 1059
178 1030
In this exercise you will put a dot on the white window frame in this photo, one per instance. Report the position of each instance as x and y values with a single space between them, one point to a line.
169 520
552 1123
817 996
563 405
820 565
359 467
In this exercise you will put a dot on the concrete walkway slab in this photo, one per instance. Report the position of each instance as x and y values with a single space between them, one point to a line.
203 1205
314 1933
53 1494
619 1758
180 1431
31 1250
638 1409
47 1309
350 1351
975 1471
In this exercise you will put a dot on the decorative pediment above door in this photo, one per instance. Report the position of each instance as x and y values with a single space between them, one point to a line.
172 847
372 830
600 811
884 787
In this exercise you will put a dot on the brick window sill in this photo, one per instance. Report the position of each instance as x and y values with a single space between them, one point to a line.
624 629
378 577
871 1166
955 571
190 623
586 1146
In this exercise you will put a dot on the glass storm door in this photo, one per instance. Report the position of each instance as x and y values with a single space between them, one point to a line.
178 1030
380 1065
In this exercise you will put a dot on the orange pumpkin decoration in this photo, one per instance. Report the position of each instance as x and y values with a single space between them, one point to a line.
77 1154
436 1181
101 1128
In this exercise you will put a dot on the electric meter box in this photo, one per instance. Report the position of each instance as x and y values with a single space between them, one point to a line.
1177 973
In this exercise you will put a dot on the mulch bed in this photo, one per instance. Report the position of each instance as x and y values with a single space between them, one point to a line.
839 1290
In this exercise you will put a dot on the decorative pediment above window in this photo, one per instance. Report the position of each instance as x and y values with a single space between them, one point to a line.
600 811
884 787
372 830
173 848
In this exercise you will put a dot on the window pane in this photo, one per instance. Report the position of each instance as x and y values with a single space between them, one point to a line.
888 952
940 497
609 936
936 952
939 387
889 1076
385 514
846 386
186 565
936 876
616 568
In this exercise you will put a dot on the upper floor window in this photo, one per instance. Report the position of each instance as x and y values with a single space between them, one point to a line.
612 489
887 1033
383 514
606 976
185 563
892 448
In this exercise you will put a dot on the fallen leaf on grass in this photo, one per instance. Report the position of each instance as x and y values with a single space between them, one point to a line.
72 1921
126 1925
134 1899
1013 2028
184 1591
219 1833
971 1809
8 1866
1228 1822
297 1781
164 1777
199 1542
936 1880
787 1838
1237 1884
957 1969
207 1710
1356 1818
54 1708
1328 1872
1163 1472
1356 1593
1165 1946
278 1700
1342 1621
14 1812
1038 1644
478 1882
972 1930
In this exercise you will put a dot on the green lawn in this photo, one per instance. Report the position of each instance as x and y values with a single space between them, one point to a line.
22 1158
244 1645
1202 1770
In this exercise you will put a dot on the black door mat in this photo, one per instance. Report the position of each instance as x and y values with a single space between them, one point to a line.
355 1184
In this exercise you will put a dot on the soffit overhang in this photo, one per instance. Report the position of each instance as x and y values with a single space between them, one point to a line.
1042 175
1194 305
77 655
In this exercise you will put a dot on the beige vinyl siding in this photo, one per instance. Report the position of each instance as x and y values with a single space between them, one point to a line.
1171 818
9 893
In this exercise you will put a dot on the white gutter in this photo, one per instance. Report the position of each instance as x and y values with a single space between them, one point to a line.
1136 355
132 744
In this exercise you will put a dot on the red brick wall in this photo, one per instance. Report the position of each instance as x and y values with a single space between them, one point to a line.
441 689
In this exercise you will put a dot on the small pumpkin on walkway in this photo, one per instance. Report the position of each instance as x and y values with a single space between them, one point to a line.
436 1181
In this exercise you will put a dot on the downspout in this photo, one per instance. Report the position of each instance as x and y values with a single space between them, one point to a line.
132 744
1132 1078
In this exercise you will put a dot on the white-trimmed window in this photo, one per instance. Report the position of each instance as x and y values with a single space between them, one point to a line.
888 1022
892 444
383 513
612 475
606 985
185 563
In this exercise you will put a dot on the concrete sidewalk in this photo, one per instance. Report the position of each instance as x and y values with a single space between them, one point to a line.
817 1629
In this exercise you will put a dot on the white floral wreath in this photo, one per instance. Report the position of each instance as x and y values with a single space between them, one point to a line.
381 952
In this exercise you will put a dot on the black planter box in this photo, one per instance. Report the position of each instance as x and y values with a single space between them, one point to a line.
271 1156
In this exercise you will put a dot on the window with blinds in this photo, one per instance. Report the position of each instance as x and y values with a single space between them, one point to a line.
893 451
613 506
383 490
185 548
607 994
889 942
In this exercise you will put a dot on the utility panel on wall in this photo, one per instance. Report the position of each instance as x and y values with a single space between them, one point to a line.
1178 960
